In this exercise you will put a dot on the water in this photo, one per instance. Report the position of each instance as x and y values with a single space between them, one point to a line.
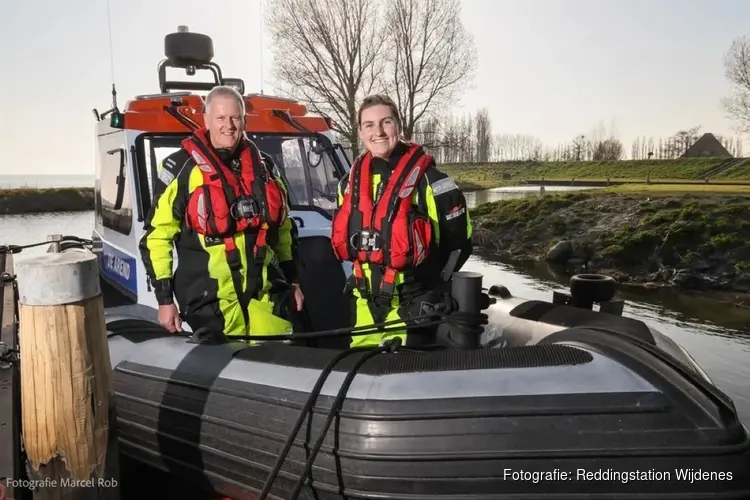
474 198
716 334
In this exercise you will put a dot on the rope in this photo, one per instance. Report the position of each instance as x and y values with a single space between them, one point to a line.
64 239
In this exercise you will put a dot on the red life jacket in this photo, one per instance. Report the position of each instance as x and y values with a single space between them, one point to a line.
387 232
213 207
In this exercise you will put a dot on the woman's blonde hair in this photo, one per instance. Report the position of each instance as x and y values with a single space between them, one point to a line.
376 100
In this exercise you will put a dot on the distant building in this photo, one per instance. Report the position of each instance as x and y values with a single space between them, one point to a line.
707 145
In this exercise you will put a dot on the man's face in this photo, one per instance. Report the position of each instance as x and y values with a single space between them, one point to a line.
378 130
224 122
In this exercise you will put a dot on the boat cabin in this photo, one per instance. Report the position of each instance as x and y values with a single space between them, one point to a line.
132 142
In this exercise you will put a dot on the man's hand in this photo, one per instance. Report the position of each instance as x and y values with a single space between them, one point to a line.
299 298
169 318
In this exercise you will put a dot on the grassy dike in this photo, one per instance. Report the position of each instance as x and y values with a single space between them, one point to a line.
688 171
699 242
34 200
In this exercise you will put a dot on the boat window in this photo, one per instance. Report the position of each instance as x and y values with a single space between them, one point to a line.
310 172
157 148
112 199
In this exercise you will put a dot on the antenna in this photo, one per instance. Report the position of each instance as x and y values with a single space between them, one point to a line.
111 56
260 35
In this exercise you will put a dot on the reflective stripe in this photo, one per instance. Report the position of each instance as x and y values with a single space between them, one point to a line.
432 210
166 176
443 186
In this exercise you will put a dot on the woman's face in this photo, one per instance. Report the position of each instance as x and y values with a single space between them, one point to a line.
378 130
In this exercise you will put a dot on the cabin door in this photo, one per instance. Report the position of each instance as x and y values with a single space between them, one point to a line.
114 225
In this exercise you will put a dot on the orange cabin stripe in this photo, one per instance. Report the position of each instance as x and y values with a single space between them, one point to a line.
147 114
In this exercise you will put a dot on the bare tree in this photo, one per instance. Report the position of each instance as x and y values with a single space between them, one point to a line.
732 144
609 149
428 134
579 146
737 71
328 53
467 130
683 139
517 147
661 150
445 137
483 129
636 152
433 56
450 139
603 144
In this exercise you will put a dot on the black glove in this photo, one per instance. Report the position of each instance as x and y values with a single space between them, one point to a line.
423 308
461 330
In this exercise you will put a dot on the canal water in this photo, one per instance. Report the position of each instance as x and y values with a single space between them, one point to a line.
474 198
715 333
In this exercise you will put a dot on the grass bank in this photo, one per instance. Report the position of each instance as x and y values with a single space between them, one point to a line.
37 200
699 242
487 175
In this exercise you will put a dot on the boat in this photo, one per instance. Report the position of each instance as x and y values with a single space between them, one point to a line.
562 399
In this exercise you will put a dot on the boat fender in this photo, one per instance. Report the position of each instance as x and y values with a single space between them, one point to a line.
500 291
585 289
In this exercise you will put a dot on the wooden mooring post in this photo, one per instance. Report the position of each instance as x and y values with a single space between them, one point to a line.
67 398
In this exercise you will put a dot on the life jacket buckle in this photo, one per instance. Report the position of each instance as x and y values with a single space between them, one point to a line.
368 240
245 207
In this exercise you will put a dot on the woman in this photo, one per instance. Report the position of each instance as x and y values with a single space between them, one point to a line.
399 221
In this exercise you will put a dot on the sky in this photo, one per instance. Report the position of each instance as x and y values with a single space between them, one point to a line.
553 69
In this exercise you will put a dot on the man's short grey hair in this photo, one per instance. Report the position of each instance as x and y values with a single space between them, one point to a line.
226 91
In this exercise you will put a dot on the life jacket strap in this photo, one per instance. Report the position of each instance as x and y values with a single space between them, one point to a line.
253 273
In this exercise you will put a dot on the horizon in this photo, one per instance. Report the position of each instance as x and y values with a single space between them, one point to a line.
545 70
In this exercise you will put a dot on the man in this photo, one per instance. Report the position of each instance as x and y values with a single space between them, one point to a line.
401 221
227 216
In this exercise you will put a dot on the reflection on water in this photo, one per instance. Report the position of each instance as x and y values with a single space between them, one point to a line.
717 335
474 198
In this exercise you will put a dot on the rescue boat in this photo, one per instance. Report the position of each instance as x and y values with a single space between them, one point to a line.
561 399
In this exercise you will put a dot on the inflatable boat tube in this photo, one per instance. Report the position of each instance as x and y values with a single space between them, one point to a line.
560 402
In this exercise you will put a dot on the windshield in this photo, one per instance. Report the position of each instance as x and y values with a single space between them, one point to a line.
312 178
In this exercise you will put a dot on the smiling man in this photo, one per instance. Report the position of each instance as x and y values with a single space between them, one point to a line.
221 207
402 222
